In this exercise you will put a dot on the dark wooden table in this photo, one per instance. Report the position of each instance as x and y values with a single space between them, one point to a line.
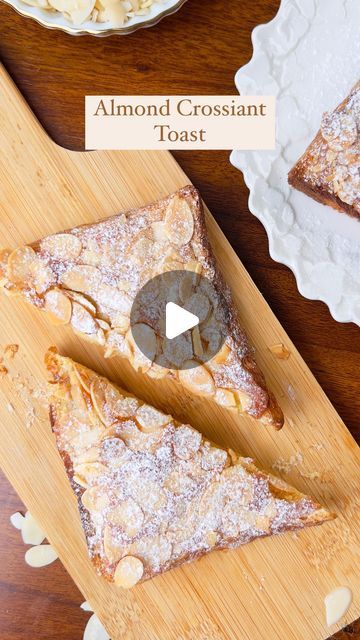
196 51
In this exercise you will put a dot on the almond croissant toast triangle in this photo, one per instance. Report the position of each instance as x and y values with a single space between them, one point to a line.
154 493
90 276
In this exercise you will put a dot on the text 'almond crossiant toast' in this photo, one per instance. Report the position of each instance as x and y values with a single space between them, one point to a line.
154 493
329 170
90 276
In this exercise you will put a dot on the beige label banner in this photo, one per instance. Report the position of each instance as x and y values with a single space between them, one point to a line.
180 122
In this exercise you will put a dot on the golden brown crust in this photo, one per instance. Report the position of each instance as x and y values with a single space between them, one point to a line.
153 493
89 277
329 170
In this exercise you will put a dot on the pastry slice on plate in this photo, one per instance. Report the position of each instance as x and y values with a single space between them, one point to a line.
154 493
329 170
90 276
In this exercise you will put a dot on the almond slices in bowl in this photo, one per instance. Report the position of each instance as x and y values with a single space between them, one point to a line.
116 12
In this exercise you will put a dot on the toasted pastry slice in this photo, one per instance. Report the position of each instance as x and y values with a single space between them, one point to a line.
154 493
89 277
329 170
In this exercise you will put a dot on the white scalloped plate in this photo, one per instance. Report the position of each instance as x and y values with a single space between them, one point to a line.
309 57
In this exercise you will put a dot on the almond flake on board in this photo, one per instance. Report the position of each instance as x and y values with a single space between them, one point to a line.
280 351
337 604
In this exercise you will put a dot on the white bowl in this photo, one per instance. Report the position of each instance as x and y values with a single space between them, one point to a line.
55 20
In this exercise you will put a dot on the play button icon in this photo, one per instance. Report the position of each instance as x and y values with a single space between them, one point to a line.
178 320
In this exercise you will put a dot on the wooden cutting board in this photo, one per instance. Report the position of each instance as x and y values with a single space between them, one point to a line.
271 588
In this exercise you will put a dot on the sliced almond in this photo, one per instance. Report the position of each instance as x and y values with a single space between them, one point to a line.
159 231
97 391
187 442
116 344
62 246
243 400
179 222
129 572
112 452
123 406
91 257
58 306
170 265
197 379
41 276
40 555
95 630
196 341
113 550
120 322
339 130
85 376
177 352
81 299
82 12
109 403
138 441
89 472
151 419
211 538
19 264
337 604
83 321
148 495
222 355
113 298
83 441
31 531
95 499
80 481
147 337
90 455
213 458
154 551
186 286
17 520
225 398
103 324
179 483
140 250
63 5
193 266
129 516
82 278
199 304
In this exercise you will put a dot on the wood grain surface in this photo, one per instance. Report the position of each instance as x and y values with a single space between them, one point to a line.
196 51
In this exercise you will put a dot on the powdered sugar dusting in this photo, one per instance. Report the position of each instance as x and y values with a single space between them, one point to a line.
89 277
164 497
333 159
